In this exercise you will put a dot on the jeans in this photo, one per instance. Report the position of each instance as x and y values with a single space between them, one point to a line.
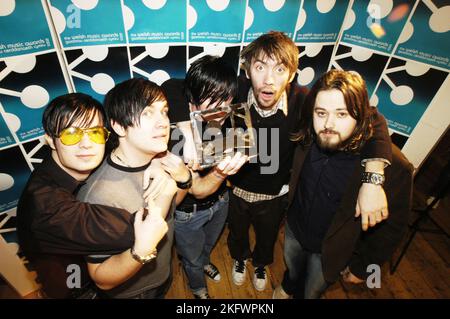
195 236
303 277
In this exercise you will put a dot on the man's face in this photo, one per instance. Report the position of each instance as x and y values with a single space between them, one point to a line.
151 135
80 159
333 124
269 80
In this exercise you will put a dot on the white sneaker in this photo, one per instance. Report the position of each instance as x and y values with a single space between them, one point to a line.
279 293
238 272
259 278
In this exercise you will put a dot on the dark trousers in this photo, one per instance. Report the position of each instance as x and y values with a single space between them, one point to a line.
265 216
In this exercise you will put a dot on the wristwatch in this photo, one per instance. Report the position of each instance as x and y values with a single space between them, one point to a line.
143 259
373 178
187 184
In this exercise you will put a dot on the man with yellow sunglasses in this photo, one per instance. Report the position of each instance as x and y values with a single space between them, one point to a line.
55 230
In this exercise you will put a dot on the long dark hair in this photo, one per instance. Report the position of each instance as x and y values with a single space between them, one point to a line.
356 98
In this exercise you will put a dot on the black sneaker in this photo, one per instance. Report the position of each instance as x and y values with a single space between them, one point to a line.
212 272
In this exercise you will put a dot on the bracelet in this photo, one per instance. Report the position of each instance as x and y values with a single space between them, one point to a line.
187 184
143 259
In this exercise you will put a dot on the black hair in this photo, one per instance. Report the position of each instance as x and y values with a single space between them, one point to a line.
125 102
210 77
66 109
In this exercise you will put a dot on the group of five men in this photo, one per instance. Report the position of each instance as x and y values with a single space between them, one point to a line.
119 224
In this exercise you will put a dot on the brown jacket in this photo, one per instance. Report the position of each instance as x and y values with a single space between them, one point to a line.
345 243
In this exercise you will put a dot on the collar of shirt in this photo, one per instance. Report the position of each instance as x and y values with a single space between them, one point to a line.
317 154
281 105
60 176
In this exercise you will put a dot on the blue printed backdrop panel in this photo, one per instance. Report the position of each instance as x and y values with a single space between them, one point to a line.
27 84
6 138
95 70
159 62
84 23
263 16
357 59
23 28
320 21
14 174
230 53
427 37
155 21
406 90
313 62
377 24
227 17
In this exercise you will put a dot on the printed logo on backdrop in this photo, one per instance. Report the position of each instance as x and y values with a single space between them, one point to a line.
230 54
313 62
216 21
426 37
6 137
27 84
82 23
405 91
158 62
97 69
357 58
263 16
14 173
320 21
155 21
376 24
23 28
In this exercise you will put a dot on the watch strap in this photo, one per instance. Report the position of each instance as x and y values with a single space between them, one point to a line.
143 259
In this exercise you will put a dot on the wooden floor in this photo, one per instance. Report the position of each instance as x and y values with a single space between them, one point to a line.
423 273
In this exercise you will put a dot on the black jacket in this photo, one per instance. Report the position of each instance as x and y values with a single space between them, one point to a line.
345 244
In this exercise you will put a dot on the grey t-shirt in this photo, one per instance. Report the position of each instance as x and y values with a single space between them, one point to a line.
120 186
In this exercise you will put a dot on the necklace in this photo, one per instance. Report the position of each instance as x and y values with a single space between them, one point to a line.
120 160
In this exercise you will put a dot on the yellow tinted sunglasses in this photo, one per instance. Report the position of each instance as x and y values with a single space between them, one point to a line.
73 135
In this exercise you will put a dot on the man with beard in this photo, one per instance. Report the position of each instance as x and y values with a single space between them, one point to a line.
259 196
322 239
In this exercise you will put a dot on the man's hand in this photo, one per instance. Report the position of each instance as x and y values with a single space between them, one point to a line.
148 230
175 167
162 184
347 276
371 205
230 165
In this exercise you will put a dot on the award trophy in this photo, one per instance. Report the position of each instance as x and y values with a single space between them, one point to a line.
221 132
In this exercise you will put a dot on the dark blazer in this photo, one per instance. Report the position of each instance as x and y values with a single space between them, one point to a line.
345 244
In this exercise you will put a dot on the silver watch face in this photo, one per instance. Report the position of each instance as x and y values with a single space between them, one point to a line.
376 179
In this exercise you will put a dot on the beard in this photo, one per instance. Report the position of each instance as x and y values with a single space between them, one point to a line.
329 143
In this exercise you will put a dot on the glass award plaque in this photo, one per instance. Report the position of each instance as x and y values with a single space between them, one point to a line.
221 132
